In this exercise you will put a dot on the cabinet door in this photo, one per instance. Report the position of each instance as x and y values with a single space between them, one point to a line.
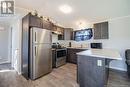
35 22
60 30
97 31
89 73
47 25
69 51
68 34
104 30
54 28
101 30
72 56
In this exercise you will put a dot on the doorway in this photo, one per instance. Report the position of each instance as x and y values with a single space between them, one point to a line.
5 46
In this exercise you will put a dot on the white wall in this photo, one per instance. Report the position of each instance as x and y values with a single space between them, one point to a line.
119 33
4 43
16 44
16 25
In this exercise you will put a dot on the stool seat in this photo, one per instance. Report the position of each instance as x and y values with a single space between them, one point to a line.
128 62
127 55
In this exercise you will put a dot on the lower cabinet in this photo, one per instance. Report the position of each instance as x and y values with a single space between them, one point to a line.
92 71
71 54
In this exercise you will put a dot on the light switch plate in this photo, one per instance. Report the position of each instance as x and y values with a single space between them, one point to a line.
99 62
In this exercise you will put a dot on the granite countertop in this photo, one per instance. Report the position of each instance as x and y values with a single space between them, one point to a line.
102 53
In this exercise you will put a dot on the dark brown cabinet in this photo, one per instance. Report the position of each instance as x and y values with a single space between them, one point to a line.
72 56
47 25
60 31
101 30
35 21
90 74
68 34
63 33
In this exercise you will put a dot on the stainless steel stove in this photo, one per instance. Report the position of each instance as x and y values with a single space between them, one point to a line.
59 56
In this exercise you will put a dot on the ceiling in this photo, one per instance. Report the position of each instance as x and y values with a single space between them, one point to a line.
89 11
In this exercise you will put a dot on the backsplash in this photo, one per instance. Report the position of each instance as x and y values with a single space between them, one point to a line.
65 43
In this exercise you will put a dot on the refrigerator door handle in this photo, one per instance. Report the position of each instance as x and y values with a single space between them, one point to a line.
35 36
35 50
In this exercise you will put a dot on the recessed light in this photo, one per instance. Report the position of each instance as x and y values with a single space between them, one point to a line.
65 9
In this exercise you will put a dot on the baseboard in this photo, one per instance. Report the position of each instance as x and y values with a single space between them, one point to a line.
19 73
5 62
121 69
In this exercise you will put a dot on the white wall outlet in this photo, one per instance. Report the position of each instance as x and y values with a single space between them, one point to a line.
99 62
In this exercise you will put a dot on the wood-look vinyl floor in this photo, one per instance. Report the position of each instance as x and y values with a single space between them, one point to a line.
64 76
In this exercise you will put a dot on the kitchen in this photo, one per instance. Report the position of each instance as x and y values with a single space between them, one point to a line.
54 54
65 52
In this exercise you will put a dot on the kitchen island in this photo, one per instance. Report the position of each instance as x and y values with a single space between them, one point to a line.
93 66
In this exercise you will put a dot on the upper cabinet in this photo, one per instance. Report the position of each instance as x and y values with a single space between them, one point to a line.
63 33
101 30
47 25
60 31
35 21
68 33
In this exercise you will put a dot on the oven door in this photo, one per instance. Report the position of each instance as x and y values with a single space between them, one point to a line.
61 53
60 57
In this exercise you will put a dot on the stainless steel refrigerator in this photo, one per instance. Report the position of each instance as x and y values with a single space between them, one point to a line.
40 53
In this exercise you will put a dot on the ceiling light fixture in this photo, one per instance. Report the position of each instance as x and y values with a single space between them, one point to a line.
65 9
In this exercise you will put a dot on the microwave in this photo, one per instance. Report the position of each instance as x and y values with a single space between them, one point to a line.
96 45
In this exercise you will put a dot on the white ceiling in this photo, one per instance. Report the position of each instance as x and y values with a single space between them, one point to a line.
82 10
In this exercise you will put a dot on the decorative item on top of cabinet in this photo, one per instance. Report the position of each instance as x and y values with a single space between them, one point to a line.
101 30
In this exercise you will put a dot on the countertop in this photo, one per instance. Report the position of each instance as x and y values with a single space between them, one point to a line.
77 48
102 53
53 49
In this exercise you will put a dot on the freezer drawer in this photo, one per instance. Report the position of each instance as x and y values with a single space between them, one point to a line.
41 62
39 35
